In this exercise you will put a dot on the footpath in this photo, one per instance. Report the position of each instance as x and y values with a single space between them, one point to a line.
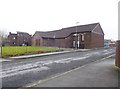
101 73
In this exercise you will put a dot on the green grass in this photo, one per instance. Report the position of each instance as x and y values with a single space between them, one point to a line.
22 50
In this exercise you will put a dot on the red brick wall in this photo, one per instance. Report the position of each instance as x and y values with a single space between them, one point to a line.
87 43
97 40
97 37
91 40
117 62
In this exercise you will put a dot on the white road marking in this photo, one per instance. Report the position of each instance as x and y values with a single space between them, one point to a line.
10 73
38 66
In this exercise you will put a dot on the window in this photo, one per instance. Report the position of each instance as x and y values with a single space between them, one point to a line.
14 43
73 43
78 43
82 37
14 38
75 34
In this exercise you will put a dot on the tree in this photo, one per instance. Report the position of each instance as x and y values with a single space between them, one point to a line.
3 38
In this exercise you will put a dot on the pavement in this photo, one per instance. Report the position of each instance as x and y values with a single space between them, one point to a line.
101 73
48 54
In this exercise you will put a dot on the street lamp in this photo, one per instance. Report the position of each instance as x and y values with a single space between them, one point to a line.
1 45
77 37
54 36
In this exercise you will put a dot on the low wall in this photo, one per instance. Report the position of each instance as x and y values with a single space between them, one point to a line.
117 62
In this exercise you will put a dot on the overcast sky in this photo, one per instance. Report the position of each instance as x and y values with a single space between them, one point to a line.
47 15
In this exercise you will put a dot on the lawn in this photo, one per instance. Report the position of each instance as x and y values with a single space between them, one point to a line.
22 50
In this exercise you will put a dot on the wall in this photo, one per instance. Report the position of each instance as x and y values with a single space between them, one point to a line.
97 40
68 41
87 42
117 62
91 40
58 42
12 42
23 39
97 37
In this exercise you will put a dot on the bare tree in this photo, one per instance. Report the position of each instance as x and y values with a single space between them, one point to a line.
3 37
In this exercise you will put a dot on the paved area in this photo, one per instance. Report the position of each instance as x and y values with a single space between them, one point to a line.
97 74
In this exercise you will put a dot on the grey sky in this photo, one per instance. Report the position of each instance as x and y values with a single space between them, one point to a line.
46 15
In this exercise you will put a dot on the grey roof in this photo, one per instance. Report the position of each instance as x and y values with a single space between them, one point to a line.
24 33
64 32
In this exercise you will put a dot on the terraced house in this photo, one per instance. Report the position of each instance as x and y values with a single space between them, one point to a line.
83 36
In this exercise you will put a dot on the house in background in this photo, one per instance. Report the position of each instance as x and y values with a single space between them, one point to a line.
109 43
19 39
83 36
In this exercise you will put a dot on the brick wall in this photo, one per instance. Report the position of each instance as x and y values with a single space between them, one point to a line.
97 40
91 40
117 62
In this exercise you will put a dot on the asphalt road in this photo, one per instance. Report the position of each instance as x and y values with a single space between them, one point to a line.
19 73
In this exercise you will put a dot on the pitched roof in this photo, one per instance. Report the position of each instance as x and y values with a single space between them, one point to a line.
24 33
64 32
12 34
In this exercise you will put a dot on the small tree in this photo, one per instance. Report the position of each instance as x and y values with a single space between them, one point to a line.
3 38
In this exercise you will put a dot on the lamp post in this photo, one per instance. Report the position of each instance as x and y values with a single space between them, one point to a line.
54 39
1 46
77 37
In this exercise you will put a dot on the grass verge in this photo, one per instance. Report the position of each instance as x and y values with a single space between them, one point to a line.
8 51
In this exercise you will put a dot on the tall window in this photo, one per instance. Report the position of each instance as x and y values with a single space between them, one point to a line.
83 37
73 43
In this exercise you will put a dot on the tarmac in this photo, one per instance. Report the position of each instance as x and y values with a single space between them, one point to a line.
101 73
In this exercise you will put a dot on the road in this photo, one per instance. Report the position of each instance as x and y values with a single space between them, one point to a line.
19 73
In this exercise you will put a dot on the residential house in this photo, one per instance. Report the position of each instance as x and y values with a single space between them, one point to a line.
83 36
19 39
109 43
